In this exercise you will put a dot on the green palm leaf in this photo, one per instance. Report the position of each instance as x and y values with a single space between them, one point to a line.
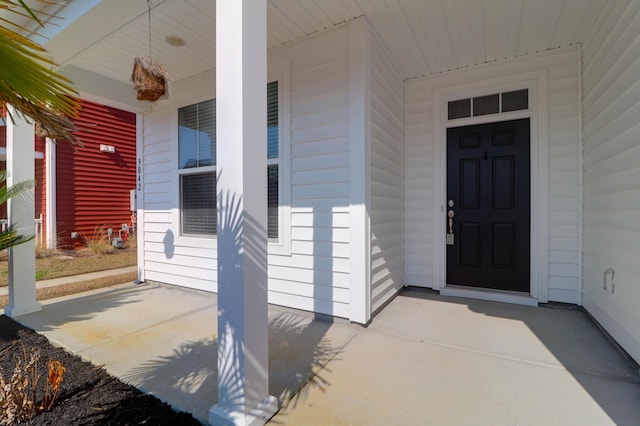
10 237
28 82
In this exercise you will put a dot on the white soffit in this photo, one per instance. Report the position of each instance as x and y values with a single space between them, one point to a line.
423 37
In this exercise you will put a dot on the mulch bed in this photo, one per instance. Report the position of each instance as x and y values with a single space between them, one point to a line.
87 395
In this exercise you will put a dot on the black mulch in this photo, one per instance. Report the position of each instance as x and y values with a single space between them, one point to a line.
88 395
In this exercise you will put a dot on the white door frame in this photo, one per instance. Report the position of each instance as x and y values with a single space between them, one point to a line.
536 82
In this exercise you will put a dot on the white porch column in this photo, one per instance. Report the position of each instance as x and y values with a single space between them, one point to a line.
22 258
241 105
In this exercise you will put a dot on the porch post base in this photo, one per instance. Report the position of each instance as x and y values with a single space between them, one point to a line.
260 415
16 311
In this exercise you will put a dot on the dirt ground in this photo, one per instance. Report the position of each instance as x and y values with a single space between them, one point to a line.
88 395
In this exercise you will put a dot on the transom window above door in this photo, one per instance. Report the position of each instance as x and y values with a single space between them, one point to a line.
516 100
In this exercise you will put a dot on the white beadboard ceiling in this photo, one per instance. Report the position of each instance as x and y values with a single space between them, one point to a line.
422 37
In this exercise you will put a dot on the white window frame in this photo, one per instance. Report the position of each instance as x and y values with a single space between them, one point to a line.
281 245
188 171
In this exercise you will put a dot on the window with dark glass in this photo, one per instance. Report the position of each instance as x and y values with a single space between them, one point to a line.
484 105
515 101
197 135
273 158
459 109
197 160
198 203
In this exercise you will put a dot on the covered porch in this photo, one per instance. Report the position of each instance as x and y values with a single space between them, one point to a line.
425 359
365 89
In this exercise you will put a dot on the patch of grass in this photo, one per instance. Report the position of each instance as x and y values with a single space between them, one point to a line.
75 263
99 242
42 251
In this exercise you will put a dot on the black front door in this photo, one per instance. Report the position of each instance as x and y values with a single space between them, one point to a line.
488 197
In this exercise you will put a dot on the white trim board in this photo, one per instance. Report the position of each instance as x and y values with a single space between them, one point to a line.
537 83
359 176
140 197
38 155
51 196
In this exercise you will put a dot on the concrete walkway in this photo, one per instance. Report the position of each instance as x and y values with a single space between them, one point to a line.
76 278
424 359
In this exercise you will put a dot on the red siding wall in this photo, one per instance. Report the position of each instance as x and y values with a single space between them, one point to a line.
93 186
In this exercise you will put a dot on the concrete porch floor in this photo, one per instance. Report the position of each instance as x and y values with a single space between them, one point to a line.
425 359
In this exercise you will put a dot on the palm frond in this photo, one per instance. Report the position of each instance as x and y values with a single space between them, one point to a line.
10 237
29 84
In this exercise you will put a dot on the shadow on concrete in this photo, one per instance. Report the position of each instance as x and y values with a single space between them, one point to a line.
80 308
188 378
572 338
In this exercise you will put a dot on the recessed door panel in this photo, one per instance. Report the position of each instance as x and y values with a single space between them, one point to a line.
470 183
503 182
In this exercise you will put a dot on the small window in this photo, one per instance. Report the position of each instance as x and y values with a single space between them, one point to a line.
515 101
459 109
484 105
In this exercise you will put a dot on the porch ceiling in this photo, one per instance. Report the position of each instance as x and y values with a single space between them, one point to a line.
423 37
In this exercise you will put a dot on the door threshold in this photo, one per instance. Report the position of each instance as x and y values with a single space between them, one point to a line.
489 294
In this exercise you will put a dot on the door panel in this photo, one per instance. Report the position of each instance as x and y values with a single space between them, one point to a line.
488 180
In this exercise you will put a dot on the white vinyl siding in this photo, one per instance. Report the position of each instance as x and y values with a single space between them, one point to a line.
611 131
315 274
419 184
165 258
563 163
564 183
386 212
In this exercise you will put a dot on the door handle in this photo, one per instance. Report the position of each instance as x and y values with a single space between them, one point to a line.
450 213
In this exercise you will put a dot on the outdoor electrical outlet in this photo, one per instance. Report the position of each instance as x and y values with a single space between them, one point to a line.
609 283
74 235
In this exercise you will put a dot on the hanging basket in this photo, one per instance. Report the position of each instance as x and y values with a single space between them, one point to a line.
149 78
